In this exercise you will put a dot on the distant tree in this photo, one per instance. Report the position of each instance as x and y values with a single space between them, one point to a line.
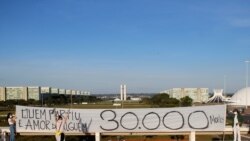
2 103
48 101
31 102
186 101
11 102
22 102
93 99
63 99
129 98
146 100
163 100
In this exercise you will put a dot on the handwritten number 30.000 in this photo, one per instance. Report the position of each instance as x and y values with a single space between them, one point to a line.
114 124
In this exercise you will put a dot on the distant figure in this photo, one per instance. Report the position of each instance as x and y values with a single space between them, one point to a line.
236 127
12 121
60 122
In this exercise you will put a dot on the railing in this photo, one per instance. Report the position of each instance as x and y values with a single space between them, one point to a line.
228 130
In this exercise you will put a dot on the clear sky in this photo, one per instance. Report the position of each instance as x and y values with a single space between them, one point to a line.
149 45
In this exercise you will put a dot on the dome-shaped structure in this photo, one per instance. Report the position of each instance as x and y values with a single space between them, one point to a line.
241 97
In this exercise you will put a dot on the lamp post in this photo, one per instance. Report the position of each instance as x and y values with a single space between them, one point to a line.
71 100
224 85
246 81
42 99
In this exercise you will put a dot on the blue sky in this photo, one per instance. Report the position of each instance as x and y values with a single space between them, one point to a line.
149 45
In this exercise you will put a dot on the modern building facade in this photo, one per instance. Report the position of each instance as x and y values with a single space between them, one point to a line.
68 92
62 91
54 90
45 90
2 94
197 94
15 93
33 92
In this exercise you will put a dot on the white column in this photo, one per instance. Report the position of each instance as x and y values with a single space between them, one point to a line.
192 136
246 82
3 137
224 86
125 92
97 136
121 92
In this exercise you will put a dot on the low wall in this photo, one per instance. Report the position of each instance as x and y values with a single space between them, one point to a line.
228 130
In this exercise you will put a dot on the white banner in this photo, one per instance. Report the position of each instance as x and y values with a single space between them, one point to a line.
200 118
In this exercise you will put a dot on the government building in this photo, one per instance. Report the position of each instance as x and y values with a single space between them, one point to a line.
34 92
197 94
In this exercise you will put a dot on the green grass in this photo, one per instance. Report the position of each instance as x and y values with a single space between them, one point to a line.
107 105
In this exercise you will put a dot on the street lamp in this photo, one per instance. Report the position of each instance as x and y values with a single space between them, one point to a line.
224 85
71 100
246 81
42 99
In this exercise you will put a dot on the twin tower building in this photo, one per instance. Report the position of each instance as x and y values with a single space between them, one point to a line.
123 92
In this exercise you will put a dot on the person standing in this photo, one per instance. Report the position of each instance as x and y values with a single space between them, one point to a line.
60 122
236 127
12 121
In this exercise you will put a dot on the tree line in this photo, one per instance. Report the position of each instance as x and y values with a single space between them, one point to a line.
158 100
164 100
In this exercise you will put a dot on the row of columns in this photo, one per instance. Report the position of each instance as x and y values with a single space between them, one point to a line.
191 136
98 136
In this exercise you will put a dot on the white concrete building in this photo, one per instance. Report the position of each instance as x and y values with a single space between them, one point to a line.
68 92
14 93
2 94
241 97
197 94
123 92
62 91
54 91
34 93
45 90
